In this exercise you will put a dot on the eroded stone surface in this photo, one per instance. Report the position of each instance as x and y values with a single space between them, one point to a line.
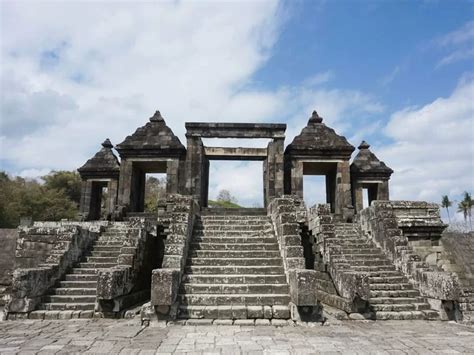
127 337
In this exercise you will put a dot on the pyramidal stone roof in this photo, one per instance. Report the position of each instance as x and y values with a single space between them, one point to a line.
366 164
153 139
318 140
103 164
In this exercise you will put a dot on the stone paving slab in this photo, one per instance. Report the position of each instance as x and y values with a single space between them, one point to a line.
103 336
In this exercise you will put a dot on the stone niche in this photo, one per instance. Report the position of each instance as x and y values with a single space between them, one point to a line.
368 172
319 150
153 148
99 173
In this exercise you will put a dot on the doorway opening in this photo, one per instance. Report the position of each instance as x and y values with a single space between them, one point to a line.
235 183
155 191
321 178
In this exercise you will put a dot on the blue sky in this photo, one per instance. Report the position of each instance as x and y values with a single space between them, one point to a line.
396 73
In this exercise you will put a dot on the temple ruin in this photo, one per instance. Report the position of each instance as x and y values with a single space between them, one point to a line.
284 261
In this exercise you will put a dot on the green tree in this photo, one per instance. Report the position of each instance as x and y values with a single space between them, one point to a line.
225 196
67 181
446 203
27 198
465 206
155 190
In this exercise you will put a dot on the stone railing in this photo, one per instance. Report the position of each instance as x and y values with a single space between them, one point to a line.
43 255
177 217
391 224
286 213
350 285
123 285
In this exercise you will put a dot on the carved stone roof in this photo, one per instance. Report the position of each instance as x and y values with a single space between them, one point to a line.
366 164
103 164
319 141
153 139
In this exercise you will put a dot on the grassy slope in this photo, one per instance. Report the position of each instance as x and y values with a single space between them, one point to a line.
223 204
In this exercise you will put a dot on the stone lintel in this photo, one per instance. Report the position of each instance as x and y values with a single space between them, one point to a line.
235 130
238 153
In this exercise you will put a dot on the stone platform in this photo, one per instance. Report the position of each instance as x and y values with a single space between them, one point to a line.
127 337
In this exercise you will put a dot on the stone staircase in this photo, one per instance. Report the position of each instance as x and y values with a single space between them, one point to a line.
77 290
234 269
391 295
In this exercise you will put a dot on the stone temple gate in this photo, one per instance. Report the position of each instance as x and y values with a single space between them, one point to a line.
153 148
387 260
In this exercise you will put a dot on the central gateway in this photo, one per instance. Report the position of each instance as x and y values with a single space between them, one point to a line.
198 155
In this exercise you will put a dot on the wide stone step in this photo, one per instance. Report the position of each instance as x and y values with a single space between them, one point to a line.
373 269
102 259
364 248
395 300
234 279
394 293
73 291
91 265
390 279
390 286
82 276
107 248
188 288
234 246
383 274
100 253
236 222
232 227
77 284
224 270
66 306
404 315
399 307
235 261
363 262
234 240
69 299
235 253
83 270
108 243
234 312
239 299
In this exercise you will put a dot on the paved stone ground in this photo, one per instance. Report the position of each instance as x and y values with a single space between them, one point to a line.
126 337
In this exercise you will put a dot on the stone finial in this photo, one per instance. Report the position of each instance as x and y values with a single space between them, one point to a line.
107 144
315 118
363 145
156 117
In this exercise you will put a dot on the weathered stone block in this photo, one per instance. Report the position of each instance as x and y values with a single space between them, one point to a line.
164 286
303 285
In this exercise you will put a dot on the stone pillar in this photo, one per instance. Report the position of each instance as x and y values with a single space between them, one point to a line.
172 169
182 176
297 177
270 171
194 165
204 182
343 199
86 191
265 181
279 166
383 191
112 191
358 197
125 183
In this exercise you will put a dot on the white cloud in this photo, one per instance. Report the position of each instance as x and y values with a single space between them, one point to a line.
458 36
456 56
432 151
319 78
117 63
387 79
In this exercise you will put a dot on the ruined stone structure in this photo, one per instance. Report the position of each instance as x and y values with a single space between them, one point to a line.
283 261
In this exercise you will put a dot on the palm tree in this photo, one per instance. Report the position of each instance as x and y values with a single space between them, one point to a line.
465 206
446 203
469 203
